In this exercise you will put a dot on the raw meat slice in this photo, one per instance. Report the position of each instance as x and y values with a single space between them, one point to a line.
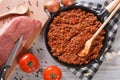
12 30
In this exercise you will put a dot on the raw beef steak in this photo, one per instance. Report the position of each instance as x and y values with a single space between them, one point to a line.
12 30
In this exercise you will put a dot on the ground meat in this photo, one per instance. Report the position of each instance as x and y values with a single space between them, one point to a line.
68 33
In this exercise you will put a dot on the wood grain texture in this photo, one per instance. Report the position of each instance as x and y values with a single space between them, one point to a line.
110 70
36 11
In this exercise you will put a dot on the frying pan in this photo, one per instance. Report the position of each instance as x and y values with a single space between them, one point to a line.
100 15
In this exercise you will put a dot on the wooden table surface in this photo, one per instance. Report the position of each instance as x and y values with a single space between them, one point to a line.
109 70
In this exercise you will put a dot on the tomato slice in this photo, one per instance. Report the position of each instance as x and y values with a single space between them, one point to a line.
29 63
52 73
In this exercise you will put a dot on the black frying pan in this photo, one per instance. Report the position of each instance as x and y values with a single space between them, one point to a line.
100 15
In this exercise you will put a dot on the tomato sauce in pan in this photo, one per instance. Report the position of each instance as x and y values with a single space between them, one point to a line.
68 33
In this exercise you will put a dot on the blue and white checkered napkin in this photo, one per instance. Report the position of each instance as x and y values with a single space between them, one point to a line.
87 73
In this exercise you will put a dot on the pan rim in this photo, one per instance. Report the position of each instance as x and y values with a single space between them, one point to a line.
97 60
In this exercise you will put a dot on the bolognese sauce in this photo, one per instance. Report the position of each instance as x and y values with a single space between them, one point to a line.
68 33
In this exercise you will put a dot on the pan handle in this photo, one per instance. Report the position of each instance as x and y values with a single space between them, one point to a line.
3 72
49 14
112 5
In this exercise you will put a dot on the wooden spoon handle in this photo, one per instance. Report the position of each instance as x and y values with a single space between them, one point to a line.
106 21
112 5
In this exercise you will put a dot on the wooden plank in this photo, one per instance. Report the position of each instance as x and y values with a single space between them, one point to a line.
36 11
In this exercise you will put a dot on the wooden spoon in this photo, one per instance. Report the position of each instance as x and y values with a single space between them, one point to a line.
19 9
88 43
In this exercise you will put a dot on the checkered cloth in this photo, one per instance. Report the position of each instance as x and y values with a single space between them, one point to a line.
87 73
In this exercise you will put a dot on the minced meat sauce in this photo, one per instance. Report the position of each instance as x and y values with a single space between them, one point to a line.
68 33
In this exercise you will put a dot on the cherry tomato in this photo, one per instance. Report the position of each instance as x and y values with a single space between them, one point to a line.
29 63
52 73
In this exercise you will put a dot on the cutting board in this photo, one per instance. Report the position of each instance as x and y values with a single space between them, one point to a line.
36 11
